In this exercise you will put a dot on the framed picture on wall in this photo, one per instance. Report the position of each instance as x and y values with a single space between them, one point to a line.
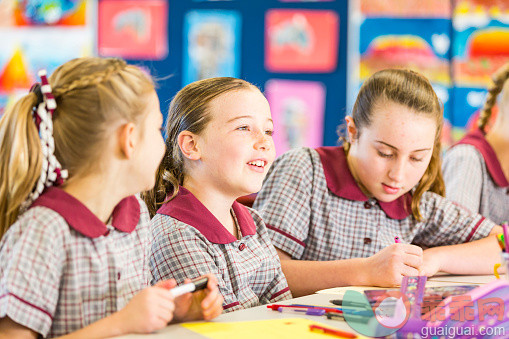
298 113
133 29
301 41
211 44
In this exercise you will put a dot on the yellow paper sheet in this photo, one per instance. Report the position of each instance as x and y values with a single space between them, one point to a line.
266 329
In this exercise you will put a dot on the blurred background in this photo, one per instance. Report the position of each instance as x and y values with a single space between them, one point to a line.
308 57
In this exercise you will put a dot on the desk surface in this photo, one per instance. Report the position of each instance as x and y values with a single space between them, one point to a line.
321 298
254 313
465 279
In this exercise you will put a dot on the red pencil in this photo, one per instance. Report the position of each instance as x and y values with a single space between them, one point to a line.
275 307
335 332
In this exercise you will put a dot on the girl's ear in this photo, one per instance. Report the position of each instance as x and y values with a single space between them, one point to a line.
351 129
127 139
187 142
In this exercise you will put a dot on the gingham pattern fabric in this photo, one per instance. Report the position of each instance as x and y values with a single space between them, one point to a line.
55 280
309 222
248 270
468 182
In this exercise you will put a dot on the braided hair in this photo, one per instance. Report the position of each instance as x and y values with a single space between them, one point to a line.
499 79
85 99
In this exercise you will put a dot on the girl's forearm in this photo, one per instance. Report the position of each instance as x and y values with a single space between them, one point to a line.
476 257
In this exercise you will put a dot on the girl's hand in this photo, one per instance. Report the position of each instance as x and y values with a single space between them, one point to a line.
388 267
149 310
431 263
205 304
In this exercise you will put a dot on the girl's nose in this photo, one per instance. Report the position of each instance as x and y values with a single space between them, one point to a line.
262 141
397 170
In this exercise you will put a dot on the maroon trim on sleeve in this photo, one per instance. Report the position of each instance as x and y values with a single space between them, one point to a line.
28 303
475 229
286 235
277 294
225 307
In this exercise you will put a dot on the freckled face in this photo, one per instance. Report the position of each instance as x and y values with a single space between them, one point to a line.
392 154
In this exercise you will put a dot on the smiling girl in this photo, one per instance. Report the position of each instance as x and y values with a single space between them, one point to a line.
219 148
333 212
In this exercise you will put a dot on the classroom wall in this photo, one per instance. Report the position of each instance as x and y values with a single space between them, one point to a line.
164 56
252 46
457 44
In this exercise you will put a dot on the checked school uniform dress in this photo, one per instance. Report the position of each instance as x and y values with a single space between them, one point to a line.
188 242
315 210
474 177
62 269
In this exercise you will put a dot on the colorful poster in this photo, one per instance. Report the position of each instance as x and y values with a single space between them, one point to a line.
211 44
418 44
406 9
422 45
25 51
480 48
49 12
301 41
133 29
298 112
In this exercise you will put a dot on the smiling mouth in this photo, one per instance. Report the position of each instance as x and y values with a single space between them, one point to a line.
258 163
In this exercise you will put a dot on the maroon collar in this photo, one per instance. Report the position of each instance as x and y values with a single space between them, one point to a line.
477 138
125 216
186 208
340 181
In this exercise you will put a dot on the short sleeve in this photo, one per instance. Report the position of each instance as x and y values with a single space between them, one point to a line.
447 223
32 256
463 176
179 253
284 201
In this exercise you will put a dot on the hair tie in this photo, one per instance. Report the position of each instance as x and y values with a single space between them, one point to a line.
52 173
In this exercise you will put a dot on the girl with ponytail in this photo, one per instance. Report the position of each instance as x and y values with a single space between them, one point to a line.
74 237
333 212
476 169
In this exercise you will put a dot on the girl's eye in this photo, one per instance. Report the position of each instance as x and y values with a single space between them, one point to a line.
269 132
415 159
243 128
384 155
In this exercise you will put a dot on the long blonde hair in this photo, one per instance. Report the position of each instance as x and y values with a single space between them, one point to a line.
414 91
92 95
189 111
499 79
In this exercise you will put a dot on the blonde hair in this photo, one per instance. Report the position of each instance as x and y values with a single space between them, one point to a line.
189 111
499 79
92 95
414 91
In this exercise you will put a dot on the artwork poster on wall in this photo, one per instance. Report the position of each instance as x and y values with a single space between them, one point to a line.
301 41
211 44
133 29
298 113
